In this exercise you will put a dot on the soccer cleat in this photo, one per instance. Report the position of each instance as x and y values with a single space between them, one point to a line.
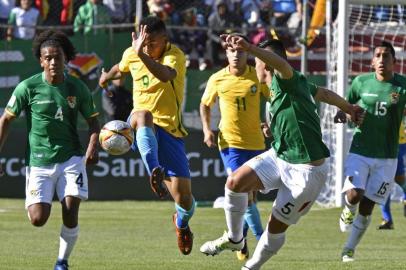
346 219
347 255
61 265
216 246
156 181
385 225
243 254
185 237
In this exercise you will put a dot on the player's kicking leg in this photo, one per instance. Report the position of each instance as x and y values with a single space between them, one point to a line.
147 144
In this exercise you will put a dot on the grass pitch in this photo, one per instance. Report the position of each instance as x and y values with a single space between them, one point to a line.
140 235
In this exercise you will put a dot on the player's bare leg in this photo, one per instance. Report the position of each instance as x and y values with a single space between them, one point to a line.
38 213
181 191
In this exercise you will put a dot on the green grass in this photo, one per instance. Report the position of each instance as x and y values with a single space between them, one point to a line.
140 235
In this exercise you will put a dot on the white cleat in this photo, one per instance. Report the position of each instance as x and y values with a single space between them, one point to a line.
347 255
346 219
216 246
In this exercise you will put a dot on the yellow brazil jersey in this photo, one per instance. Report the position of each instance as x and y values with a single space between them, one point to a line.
162 99
239 99
402 135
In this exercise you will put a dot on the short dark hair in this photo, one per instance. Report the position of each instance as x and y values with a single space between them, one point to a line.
52 38
154 24
388 45
240 35
276 46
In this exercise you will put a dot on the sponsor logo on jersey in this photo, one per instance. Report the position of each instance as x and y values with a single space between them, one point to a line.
34 193
71 101
253 89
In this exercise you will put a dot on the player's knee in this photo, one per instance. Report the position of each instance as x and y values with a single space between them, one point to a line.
234 183
143 118
400 179
37 220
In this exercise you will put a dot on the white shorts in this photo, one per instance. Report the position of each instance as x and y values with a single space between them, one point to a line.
373 175
68 178
299 184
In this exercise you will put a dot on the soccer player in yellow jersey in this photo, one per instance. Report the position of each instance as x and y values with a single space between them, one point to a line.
387 221
158 71
240 137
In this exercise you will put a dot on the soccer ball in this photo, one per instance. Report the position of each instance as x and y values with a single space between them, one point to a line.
116 137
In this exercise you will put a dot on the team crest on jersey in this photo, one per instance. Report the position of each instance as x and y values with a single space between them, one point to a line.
253 89
71 101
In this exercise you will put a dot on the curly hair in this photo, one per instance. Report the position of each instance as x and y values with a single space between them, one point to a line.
52 38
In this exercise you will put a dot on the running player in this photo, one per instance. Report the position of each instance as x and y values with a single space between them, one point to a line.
240 138
295 165
371 164
55 159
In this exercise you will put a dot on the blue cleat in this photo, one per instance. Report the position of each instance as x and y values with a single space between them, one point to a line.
61 265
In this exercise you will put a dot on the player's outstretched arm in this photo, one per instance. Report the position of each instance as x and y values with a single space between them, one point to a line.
355 113
161 72
280 65
92 155
5 121
209 138
113 74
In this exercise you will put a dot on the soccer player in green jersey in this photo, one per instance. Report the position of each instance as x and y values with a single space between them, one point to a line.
55 159
158 69
240 137
296 163
371 164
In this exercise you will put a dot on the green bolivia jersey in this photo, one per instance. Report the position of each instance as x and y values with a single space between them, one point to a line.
295 123
384 102
51 112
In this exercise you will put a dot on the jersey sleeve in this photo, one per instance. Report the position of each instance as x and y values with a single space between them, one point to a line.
312 88
12 18
264 90
124 65
87 107
210 93
19 100
353 95
288 85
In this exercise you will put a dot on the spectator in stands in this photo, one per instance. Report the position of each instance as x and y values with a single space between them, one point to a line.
160 8
220 21
5 8
120 10
56 12
192 39
93 12
250 11
23 15
117 102
288 14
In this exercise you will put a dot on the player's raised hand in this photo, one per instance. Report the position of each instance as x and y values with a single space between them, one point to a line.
138 42
235 42
209 139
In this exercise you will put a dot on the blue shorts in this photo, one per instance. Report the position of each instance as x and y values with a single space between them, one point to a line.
233 158
171 153
400 170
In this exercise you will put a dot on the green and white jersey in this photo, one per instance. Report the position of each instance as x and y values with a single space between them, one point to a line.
51 112
384 102
295 123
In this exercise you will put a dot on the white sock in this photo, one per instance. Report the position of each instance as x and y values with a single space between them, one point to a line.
267 246
350 206
359 227
67 241
235 205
